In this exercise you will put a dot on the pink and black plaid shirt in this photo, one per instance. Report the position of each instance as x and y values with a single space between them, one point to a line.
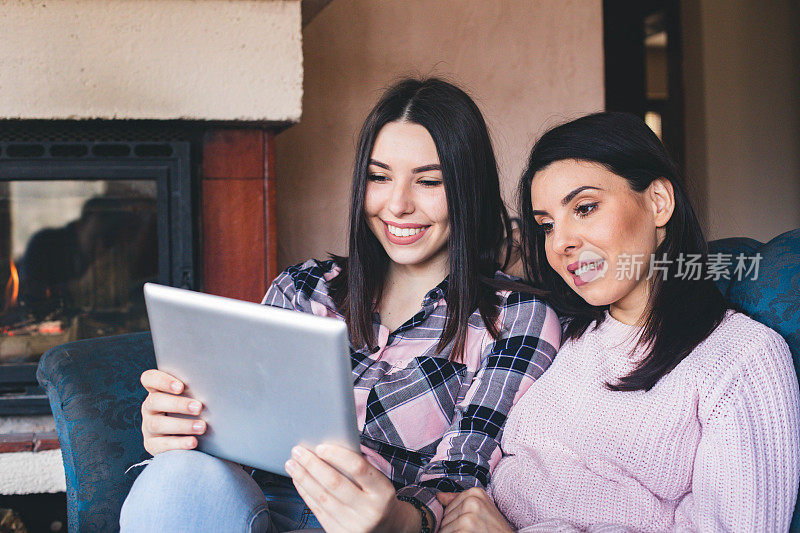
428 423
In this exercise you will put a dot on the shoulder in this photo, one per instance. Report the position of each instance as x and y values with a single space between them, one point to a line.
521 309
513 292
309 278
742 352
738 337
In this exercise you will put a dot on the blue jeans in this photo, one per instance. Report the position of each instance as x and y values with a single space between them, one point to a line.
187 490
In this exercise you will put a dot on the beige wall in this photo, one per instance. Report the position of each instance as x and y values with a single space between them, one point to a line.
529 64
151 59
742 72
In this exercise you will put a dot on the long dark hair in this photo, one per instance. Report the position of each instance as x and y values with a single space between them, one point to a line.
479 223
680 312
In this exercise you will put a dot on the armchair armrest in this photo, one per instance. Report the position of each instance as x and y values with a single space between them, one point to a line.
95 395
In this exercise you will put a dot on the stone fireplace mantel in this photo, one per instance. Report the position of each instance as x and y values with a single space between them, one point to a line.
217 60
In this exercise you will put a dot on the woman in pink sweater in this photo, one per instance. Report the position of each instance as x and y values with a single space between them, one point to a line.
664 410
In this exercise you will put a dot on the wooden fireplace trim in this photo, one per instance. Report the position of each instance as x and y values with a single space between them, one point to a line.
239 226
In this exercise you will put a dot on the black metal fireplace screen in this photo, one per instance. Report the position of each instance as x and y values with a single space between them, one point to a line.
83 225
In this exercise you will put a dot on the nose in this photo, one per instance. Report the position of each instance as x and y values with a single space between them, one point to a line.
564 239
400 201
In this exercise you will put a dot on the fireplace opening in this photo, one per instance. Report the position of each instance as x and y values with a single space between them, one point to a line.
83 250
83 225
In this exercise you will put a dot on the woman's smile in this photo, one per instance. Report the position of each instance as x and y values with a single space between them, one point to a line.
586 271
404 233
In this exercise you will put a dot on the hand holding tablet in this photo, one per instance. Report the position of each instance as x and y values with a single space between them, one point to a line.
266 379
161 431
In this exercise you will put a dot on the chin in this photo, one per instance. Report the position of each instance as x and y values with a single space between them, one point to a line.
407 258
593 296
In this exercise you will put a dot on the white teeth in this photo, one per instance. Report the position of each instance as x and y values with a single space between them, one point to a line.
403 232
587 267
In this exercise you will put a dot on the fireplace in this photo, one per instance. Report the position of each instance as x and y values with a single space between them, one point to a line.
220 77
121 202
89 212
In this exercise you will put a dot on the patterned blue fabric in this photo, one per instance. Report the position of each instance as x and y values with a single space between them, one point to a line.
96 399
773 297
733 247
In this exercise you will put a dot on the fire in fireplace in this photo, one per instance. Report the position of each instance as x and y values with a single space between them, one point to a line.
84 249
83 225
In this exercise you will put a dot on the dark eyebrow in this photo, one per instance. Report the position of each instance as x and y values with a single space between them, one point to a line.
568 198
426 168
379 164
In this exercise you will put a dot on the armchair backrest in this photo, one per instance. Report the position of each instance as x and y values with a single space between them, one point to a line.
772 295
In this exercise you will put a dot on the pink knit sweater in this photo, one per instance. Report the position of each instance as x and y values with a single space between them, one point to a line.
712 447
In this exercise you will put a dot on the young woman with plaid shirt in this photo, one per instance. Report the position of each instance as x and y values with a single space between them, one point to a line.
442 344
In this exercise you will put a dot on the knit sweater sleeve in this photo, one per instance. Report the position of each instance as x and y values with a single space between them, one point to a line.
746 470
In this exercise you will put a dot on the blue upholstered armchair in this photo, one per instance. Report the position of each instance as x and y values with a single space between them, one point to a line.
95 395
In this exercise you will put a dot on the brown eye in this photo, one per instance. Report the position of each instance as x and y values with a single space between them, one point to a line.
377 178
546 227
584 209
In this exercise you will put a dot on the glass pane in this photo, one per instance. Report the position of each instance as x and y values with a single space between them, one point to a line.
74 255
655 59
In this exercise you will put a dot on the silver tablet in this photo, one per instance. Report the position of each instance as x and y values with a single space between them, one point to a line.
268 378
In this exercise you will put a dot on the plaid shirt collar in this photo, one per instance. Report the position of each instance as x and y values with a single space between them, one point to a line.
437 293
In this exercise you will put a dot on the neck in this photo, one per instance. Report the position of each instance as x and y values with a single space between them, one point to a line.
419 277
626 316
631 309
404 290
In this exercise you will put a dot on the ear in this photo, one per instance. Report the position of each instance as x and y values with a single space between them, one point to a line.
662 200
